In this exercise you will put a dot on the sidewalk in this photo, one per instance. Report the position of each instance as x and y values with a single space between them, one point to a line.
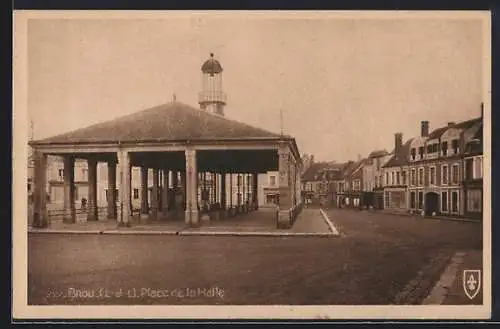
449 290
309 223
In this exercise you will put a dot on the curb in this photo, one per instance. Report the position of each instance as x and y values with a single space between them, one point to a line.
187 233
466 220
262 234
332 228
446 280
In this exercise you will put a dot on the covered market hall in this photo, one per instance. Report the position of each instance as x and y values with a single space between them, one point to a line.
184 148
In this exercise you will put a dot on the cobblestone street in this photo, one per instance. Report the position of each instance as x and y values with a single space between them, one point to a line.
379 259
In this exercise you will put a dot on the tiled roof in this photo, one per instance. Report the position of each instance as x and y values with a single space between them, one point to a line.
378 153
313 170
401 157
171 122
436 133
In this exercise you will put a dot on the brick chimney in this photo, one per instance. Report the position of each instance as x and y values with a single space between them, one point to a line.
398 142
424 128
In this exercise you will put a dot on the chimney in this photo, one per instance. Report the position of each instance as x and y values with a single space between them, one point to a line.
482 110
451 124
398 142
424 128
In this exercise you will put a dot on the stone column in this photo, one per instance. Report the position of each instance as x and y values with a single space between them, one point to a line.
154 195
112 190
184 189
223 190
69 189
238 196
92 181
144 193
125 186
249 200
215 180
40 216
166 174
191 214
231 190
285 202
255 185
175 186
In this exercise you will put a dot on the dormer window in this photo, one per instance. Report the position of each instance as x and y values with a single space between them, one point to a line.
413 153
421 152
454 146
444 148
429 148
435 147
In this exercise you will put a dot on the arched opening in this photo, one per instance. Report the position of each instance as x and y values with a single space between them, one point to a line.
431 203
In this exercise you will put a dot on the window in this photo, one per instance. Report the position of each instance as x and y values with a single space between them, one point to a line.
356 185
239 181
392 178
386 178
435 147
478 173
474 200
239 197
136 193
469 169
378 163
61 173
432 175
413 178
397 178
454 201
386 200
272 180
421 152
429 148
444 175
413 153
420 200
412 200
454 146
29 187
455 174
403 177
420 176
444 201
444 148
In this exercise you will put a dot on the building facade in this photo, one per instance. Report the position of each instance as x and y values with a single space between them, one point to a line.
428 174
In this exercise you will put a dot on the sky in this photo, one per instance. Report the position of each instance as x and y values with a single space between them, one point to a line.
345 84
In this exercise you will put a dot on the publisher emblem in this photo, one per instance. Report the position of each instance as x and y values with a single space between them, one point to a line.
471 280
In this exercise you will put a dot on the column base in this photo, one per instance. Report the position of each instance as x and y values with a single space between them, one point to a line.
40 221
192 218
124 224
283 219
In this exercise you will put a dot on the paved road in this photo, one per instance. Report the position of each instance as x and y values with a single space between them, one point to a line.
371 264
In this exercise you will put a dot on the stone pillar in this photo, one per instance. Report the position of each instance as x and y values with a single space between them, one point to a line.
165 205
125 186
144 193
154 195
184 189
238 183
255 185
175 186
191 214
285 202
230 190
69 189
249 200
215 180
112 190
92 181
40 216
223 190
